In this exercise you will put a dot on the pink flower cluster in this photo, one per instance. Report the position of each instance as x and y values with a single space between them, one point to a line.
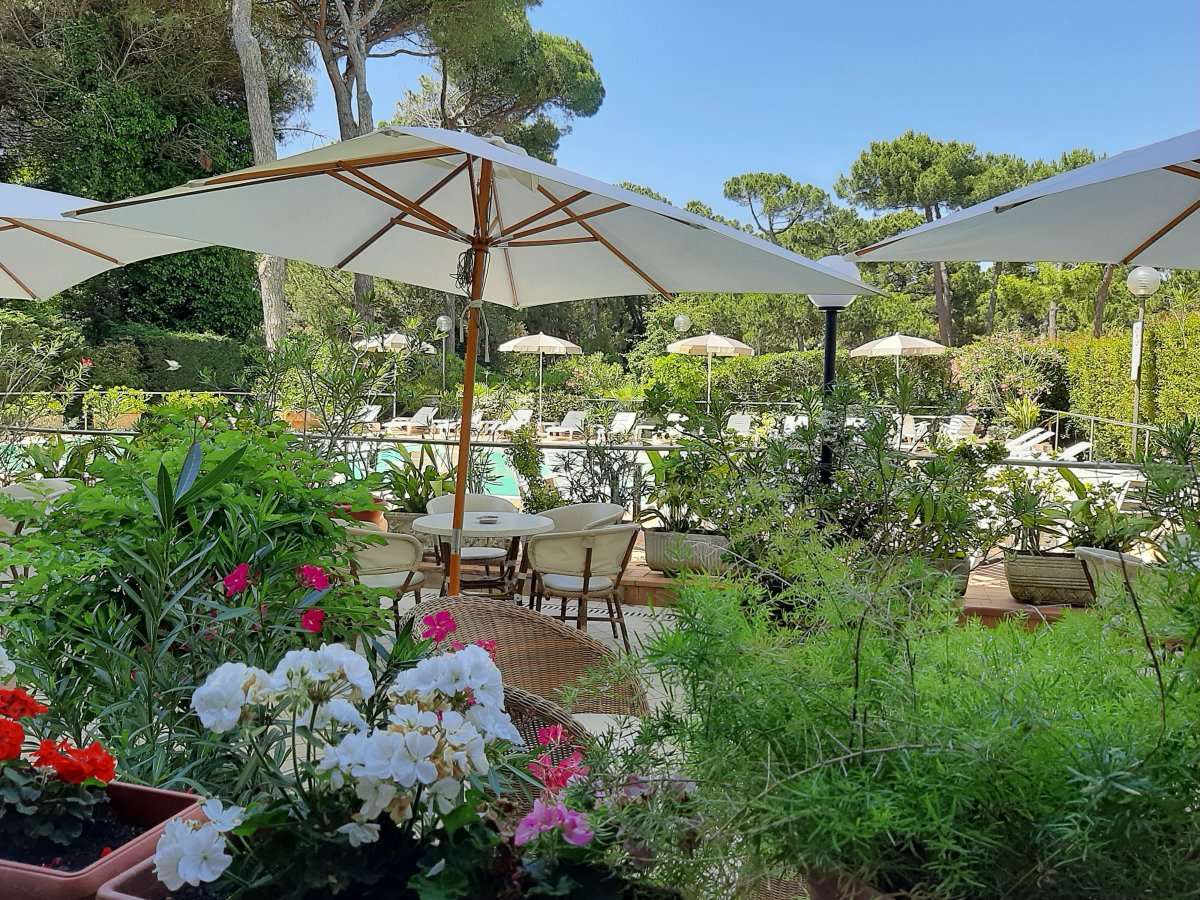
549 816
312 619
314 577
552 813
237 580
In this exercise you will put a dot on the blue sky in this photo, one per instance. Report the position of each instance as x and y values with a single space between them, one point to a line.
698 91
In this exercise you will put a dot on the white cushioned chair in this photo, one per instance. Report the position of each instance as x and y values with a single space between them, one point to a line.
471 554
581 566
392 567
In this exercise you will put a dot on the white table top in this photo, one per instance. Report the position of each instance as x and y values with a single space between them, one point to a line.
506 525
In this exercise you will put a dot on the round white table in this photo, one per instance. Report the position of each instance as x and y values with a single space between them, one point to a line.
506 525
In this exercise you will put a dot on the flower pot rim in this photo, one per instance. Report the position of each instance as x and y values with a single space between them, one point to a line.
82 883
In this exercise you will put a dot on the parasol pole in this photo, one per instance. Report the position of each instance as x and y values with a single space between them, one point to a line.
708 390
478 273
539 387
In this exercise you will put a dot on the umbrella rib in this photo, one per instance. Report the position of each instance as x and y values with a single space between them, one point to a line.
1180 170
399 220
529 220
610 248
318 168
572 218
62 240
22 285
1154 238
414 208
512 281
550 242
479 227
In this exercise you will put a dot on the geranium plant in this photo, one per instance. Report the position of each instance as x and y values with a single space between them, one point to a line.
368 779
48 794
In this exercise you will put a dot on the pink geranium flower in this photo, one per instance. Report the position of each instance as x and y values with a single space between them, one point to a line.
438 625
313 620
314 577
575 828
237 580
556 776
549 816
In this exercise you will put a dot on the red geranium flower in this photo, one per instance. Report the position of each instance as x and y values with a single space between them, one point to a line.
76 765
12 736
15 703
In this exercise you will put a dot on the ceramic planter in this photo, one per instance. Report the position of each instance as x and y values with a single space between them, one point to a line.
1048 578
146 807
138 883
958 567
672 551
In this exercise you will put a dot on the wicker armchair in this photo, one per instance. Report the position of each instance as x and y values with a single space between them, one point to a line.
542 656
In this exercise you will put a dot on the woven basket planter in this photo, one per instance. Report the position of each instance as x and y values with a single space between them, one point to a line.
1049 578
671 552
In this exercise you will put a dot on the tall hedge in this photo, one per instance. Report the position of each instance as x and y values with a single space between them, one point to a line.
1099 385
1176 345
139 359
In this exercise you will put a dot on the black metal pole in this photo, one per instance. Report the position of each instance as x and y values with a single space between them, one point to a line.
827 378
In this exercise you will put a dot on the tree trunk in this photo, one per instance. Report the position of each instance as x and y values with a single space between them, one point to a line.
1101 299
941 287
1052 321
271 270
990 321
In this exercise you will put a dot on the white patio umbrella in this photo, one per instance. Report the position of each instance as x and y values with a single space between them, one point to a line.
1135 208
459 213
708 346
42 252
392 342
899 345
543 345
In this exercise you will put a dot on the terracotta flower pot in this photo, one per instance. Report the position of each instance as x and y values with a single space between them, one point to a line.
146 807
138 883
375 517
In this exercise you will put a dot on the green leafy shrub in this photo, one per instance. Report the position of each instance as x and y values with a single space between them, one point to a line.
1176 343
126 601
1006 367
116 364
221 359
1099 385
107 409
850 726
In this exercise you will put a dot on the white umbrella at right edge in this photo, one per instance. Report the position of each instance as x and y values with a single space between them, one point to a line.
43 252
899 345
543 345
470 216
708 346
1136 208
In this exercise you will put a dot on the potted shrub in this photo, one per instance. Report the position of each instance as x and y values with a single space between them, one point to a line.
682 541
1034 512
409 485
370 778
538 493
66 827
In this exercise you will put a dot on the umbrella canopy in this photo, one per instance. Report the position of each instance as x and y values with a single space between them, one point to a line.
392 341
899 345
710 345
42 252
543 345
1135 208
458 213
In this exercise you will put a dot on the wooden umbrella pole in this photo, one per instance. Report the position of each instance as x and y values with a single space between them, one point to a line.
478 274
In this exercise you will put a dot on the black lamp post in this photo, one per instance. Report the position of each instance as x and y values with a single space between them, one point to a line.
832 304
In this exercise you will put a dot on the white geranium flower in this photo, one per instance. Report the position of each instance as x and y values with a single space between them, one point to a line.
340 661
375 795
466 748
220 699
408 716
374 758
481 676
346 713
222 818
189 852
6 666
411 763
494 724
360 833
444 794
295 666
